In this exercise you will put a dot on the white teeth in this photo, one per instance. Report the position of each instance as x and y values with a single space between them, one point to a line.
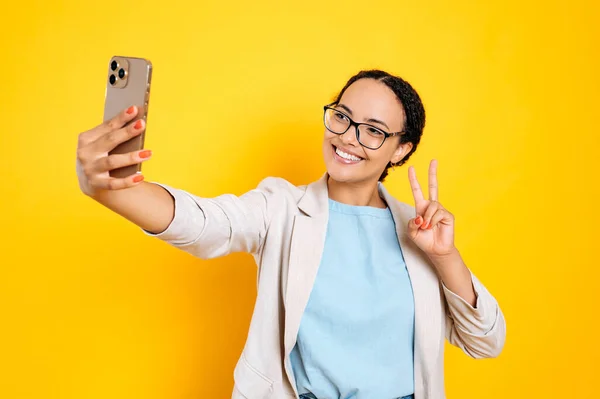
346 156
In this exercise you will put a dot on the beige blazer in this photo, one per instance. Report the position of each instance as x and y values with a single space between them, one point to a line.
284 227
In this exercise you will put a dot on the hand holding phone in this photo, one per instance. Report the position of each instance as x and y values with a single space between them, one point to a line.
109 156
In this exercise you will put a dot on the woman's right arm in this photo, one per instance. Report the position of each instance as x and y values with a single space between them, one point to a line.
204 227
148 205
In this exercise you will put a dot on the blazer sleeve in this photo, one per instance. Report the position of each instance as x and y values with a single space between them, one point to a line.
214 227
479 331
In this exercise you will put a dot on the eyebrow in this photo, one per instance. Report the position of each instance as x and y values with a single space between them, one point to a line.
371 120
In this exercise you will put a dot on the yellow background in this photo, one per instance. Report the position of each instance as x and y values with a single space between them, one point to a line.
92 308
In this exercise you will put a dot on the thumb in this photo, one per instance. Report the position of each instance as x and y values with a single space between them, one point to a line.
413 226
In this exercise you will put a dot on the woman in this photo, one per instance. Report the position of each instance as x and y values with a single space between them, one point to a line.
356 291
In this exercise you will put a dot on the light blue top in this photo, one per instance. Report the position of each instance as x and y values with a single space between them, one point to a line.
356 336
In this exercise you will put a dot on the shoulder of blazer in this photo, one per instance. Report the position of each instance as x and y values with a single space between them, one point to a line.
309 198
281 187
280 195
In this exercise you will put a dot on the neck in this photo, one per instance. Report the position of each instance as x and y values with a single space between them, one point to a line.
359 194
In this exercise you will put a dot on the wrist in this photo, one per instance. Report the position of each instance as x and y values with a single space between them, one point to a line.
450 258
449 266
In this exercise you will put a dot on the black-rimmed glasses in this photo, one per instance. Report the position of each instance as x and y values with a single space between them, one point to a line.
367 135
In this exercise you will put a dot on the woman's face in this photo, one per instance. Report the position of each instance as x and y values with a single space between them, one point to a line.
372 102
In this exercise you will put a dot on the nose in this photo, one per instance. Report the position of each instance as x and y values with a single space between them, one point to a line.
350 136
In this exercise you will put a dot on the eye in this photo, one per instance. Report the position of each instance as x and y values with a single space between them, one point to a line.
375 132
340 117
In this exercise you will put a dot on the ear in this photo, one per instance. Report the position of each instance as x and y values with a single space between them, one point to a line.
401 152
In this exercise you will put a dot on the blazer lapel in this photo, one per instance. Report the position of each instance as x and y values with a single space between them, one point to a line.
425 290
308 239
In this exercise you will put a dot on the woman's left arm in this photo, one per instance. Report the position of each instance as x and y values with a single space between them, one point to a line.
474 321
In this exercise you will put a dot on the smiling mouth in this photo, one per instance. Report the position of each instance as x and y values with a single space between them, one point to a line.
344 157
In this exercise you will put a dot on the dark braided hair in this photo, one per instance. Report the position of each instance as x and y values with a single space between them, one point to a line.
410 101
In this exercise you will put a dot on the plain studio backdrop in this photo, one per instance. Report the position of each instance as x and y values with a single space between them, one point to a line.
92 308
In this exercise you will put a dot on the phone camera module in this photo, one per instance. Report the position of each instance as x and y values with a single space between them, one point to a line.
121 73
114 65
112 79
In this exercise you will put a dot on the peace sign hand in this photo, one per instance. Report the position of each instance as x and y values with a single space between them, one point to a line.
432 228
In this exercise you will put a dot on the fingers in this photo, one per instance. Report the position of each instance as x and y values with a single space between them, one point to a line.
110 140
120 120
117 122
428 215
433 183
90 153
434 214
440 216
93 163
414 185
98 178
111 183
414 226
116 161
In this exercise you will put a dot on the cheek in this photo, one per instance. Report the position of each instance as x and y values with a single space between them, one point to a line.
327 137
379 157
327 147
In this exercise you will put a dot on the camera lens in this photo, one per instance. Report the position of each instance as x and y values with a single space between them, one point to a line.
112 79
121 73
114 65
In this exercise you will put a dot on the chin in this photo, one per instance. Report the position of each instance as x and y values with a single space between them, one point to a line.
342 176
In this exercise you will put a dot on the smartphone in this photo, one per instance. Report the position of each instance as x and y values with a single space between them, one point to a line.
127 84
